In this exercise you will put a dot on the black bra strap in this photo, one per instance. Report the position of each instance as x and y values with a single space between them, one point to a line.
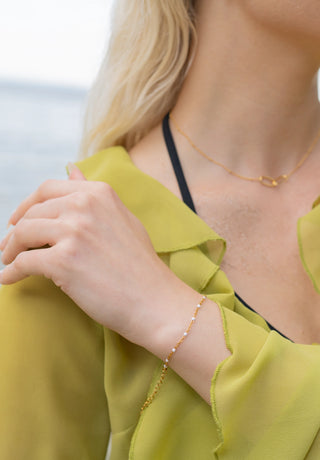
270 325
185 190
176 163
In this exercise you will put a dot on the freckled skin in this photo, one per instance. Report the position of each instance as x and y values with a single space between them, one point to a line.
262 259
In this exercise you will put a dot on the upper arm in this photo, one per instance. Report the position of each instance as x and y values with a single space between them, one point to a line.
52 399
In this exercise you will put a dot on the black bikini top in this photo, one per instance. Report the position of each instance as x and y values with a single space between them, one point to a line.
185 192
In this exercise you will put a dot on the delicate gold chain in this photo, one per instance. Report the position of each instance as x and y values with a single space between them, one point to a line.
267 181
168 358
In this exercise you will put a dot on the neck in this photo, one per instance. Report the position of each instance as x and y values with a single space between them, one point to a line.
250 99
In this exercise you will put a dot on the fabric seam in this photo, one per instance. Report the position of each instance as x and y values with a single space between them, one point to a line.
142 415
215 377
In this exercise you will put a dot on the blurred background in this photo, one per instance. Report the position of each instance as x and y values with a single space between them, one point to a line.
50 51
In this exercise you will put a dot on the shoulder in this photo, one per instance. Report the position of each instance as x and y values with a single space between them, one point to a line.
101 165
146 161
151 157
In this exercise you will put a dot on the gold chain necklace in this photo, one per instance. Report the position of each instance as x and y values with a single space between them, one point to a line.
267 181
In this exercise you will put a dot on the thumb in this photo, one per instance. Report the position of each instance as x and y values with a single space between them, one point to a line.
74 172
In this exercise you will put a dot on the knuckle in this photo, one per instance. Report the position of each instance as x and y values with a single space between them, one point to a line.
82 225
83 200
69 252
103 188
74 228
76 225
42 189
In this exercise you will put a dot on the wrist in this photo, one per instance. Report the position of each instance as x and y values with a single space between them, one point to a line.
170 315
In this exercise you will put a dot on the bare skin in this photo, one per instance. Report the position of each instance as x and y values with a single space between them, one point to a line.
93 239
252 104
237 103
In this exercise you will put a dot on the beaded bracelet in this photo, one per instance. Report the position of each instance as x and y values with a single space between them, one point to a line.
172 352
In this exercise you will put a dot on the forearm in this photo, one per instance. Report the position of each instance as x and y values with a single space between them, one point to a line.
203 348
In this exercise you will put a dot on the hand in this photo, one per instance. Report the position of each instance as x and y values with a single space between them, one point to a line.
89 244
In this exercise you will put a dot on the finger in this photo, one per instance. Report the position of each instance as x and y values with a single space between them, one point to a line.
74 172
5 239
36 262
30 234
50 209
48 190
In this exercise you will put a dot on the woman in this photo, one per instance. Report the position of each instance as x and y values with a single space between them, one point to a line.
242 379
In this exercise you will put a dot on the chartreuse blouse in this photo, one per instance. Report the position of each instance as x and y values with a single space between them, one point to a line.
66 382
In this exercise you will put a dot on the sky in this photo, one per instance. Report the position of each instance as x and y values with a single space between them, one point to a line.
58 42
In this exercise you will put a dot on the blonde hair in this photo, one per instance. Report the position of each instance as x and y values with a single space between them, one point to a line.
146 62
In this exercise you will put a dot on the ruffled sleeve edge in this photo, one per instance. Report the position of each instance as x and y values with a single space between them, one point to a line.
303 258
216 375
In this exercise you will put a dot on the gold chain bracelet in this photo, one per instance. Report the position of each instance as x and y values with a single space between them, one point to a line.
165 364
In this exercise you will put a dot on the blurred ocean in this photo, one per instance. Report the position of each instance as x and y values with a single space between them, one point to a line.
40 128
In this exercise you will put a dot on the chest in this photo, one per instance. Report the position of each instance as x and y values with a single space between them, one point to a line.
262 260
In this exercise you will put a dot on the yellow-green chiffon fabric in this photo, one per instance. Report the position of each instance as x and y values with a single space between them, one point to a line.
66 381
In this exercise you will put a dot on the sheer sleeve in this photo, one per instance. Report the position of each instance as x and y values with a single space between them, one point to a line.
265 396
52 399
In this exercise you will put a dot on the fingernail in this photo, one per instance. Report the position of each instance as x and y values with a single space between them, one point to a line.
10 223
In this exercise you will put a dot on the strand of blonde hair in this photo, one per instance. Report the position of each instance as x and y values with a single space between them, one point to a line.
149 53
